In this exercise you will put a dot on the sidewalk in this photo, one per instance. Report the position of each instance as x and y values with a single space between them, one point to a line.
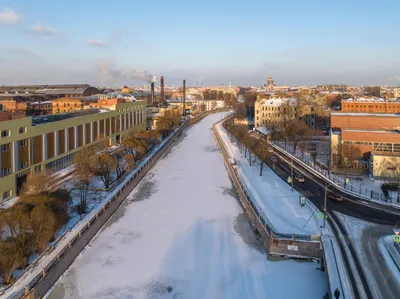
279 204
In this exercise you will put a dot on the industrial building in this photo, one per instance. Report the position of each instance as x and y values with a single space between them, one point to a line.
371 105
374 134
49 142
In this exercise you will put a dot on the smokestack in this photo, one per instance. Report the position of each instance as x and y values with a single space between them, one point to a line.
184 98
152 94
162 95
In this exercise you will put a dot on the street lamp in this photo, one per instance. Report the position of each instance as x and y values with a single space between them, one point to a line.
325 199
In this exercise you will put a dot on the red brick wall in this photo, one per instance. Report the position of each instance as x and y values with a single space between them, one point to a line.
364 122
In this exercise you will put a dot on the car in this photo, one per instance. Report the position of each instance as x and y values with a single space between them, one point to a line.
335 196
299 178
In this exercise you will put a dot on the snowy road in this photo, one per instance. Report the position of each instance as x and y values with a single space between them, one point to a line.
182 234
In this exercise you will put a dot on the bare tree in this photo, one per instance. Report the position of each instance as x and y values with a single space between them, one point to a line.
349 155
134 147
37 183
392 170
83 176
102 165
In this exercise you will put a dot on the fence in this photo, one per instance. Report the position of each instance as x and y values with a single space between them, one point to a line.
357 189
66 252
275 242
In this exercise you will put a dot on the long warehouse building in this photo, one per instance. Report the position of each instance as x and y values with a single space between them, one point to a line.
49 143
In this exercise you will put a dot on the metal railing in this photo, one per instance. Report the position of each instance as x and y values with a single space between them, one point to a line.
82 227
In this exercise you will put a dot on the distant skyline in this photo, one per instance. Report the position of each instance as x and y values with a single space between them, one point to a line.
205 42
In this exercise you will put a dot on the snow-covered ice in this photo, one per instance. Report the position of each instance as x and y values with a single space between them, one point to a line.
182 234
279 204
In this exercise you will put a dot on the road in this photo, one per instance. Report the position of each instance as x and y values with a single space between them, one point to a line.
182 234
313 189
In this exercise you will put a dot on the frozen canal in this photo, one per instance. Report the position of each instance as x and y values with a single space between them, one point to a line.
182 234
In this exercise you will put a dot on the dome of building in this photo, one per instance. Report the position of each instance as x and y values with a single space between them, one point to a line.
126 89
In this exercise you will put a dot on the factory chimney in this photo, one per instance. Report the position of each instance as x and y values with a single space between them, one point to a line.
184 98
162 95
152 94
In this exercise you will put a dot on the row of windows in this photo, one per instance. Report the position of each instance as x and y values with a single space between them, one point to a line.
7 133
378 147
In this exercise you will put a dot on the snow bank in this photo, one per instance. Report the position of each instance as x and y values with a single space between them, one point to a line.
182 234
278 204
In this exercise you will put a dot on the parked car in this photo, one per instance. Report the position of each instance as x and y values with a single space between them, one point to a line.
299 178
335 196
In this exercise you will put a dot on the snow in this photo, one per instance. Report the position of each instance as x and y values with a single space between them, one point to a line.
262 130
390 254
274 198
70 230
355 230
360 186
182 234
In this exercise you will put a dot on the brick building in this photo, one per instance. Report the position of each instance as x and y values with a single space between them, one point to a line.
371 105
373 133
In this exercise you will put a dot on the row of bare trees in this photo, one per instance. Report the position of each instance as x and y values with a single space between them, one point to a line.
28 226
109 165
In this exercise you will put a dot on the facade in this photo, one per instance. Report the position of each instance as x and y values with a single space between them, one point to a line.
273 110
371 105
49 143
66 104
373 134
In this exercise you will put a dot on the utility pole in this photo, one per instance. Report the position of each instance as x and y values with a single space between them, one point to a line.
325 198
291 172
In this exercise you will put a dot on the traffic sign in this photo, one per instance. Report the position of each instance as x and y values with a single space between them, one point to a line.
320 215
289 179
302 200
396 238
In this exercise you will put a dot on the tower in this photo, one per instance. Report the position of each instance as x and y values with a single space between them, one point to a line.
162 95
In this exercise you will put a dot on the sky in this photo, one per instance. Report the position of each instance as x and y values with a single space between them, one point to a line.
123 42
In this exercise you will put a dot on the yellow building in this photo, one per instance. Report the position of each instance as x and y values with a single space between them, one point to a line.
49 143
66 104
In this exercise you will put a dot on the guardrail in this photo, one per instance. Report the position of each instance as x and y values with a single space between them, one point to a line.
276 243
64 253
323 177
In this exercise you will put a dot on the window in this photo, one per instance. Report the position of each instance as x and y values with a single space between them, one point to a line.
22 165
22 143
5 147
5 171
21 130
258 111
5 133
38 168
7 194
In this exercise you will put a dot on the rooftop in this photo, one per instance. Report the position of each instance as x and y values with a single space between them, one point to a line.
44 119
372 100
337 113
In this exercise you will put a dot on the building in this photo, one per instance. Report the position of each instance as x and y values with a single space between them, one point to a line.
155 113
371 105
274 110
270 83
373 134
50 142
66 104
396 92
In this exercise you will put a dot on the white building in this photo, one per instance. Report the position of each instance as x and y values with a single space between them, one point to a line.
273 110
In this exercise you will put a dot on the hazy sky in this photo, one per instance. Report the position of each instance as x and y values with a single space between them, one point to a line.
207 42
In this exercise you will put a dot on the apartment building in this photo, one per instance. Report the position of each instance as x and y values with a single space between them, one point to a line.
50 142
273 110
